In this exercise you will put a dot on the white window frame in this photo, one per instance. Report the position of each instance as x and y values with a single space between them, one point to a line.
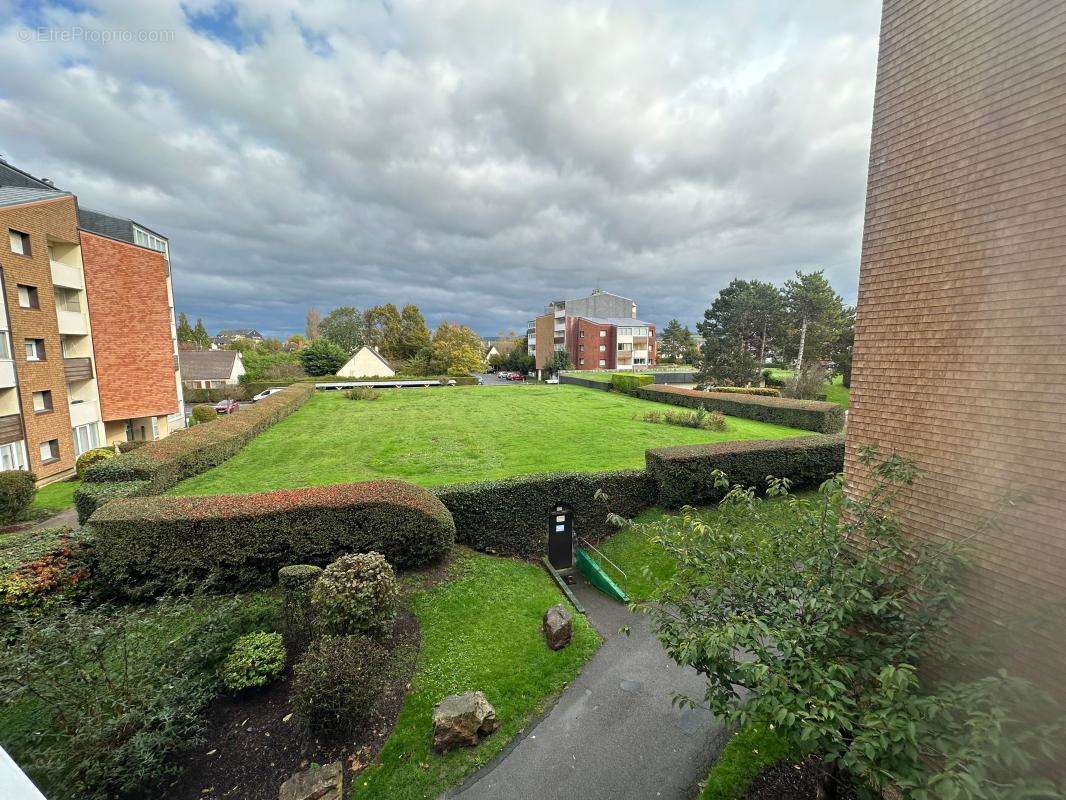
603 363
13 456
32 351
16 240
41 395
24 296
5 346
86 437
602 334
49 457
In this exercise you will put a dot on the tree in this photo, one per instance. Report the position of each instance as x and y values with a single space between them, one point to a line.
322 357
816 314
345 327
294 342
751 311
314 319
185 331
519 359
843 345
559 361
457 349
832 636
200 336
382 329
676 345
726 361
414 335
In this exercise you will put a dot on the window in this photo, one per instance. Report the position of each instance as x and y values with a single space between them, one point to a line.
151 241
602 334
603 363
49 451
86 437
155 428
35 349
582 334
625 347
20 242
12 456
28 296
68 299
603 348
582 362
42 401
5 346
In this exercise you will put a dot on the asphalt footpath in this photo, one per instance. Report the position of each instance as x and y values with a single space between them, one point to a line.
614 733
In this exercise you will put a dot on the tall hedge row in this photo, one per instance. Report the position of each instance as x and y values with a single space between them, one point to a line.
627 382
683 473
510 517
150 545
811 415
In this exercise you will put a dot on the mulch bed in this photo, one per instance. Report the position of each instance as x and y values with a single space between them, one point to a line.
790 780
250 749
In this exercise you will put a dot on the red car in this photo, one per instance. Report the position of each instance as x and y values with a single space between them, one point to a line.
516 376
226 406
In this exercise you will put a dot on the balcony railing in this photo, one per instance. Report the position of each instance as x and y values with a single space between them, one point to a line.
84 412
11 428
66 275
78 369
72 323
7 373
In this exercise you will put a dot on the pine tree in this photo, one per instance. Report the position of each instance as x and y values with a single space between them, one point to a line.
200 336
414 335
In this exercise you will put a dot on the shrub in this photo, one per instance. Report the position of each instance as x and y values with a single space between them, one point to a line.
296 582
17 490
120 691
38 565
166 462
338 682
362 393
321 357
356 594
627 382
684 473
770 381
148 544
90 457
758 391
510 517
90 496
203 413
212 396
255 660
808 383
806 414
701 418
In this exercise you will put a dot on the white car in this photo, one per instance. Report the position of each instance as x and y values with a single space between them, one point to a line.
553 380
267 392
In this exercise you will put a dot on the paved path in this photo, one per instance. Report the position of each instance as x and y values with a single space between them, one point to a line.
67 517
613 734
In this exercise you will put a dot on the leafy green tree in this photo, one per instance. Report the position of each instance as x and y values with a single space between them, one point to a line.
185 331
559 361
676 345
832 636
751 311
345 327
457 349
414 335
816 315
519 360
843 345
726 361
322 357
382 329
200 336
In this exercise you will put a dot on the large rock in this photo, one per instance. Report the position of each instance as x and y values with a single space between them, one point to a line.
318 783
461 720
558 627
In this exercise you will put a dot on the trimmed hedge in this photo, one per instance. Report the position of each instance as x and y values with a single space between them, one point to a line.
588 383
758 391
90 496
510 517
166 462
683 473
627 382
212 396
17 490
147 545
811 415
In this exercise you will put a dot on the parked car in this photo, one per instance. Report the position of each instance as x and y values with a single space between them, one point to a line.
553 379
504 375
226 406
515 376
266 393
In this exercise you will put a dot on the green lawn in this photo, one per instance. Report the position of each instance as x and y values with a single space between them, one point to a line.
439 436
53 498
480 631
835 392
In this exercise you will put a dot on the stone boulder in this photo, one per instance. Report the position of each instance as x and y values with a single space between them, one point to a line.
317 783
558 627
461 720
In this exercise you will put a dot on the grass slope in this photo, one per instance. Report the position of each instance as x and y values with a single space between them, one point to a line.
835 392
480 631
53 498
439 436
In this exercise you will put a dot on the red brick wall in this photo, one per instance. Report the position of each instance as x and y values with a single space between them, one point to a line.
960 348
56 220
592 341
130 315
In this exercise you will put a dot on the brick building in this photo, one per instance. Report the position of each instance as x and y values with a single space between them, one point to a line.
960 346
600 331
87 340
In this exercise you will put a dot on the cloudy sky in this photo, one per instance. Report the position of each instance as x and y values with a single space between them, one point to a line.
474 158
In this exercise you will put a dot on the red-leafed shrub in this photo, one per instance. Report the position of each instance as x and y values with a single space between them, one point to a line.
811 415
152 544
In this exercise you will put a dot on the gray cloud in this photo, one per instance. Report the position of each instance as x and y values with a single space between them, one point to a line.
476 158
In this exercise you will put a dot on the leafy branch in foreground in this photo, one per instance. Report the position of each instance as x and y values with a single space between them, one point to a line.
814 614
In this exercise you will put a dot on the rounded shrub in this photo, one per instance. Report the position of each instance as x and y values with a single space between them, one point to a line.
17 490
90 457
203 413
255 660
296 582
338 681
297 578
356 594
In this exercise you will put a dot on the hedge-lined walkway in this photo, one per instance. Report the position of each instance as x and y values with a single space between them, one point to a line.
434 437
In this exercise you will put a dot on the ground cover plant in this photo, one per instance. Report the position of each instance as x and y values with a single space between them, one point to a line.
700 418
480 631
434 436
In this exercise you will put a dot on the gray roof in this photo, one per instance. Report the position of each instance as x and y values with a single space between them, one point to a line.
206 365
11 175
622 322
17 195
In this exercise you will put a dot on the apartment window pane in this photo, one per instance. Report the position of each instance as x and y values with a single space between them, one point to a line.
603 363
35 349
42 401
50 450
28 296
20 242
86 437
12 456
68 299
5 346
603 333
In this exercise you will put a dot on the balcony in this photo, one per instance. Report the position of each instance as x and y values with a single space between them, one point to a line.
66 275
84 412
72 323
7 373
11 428
78 369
